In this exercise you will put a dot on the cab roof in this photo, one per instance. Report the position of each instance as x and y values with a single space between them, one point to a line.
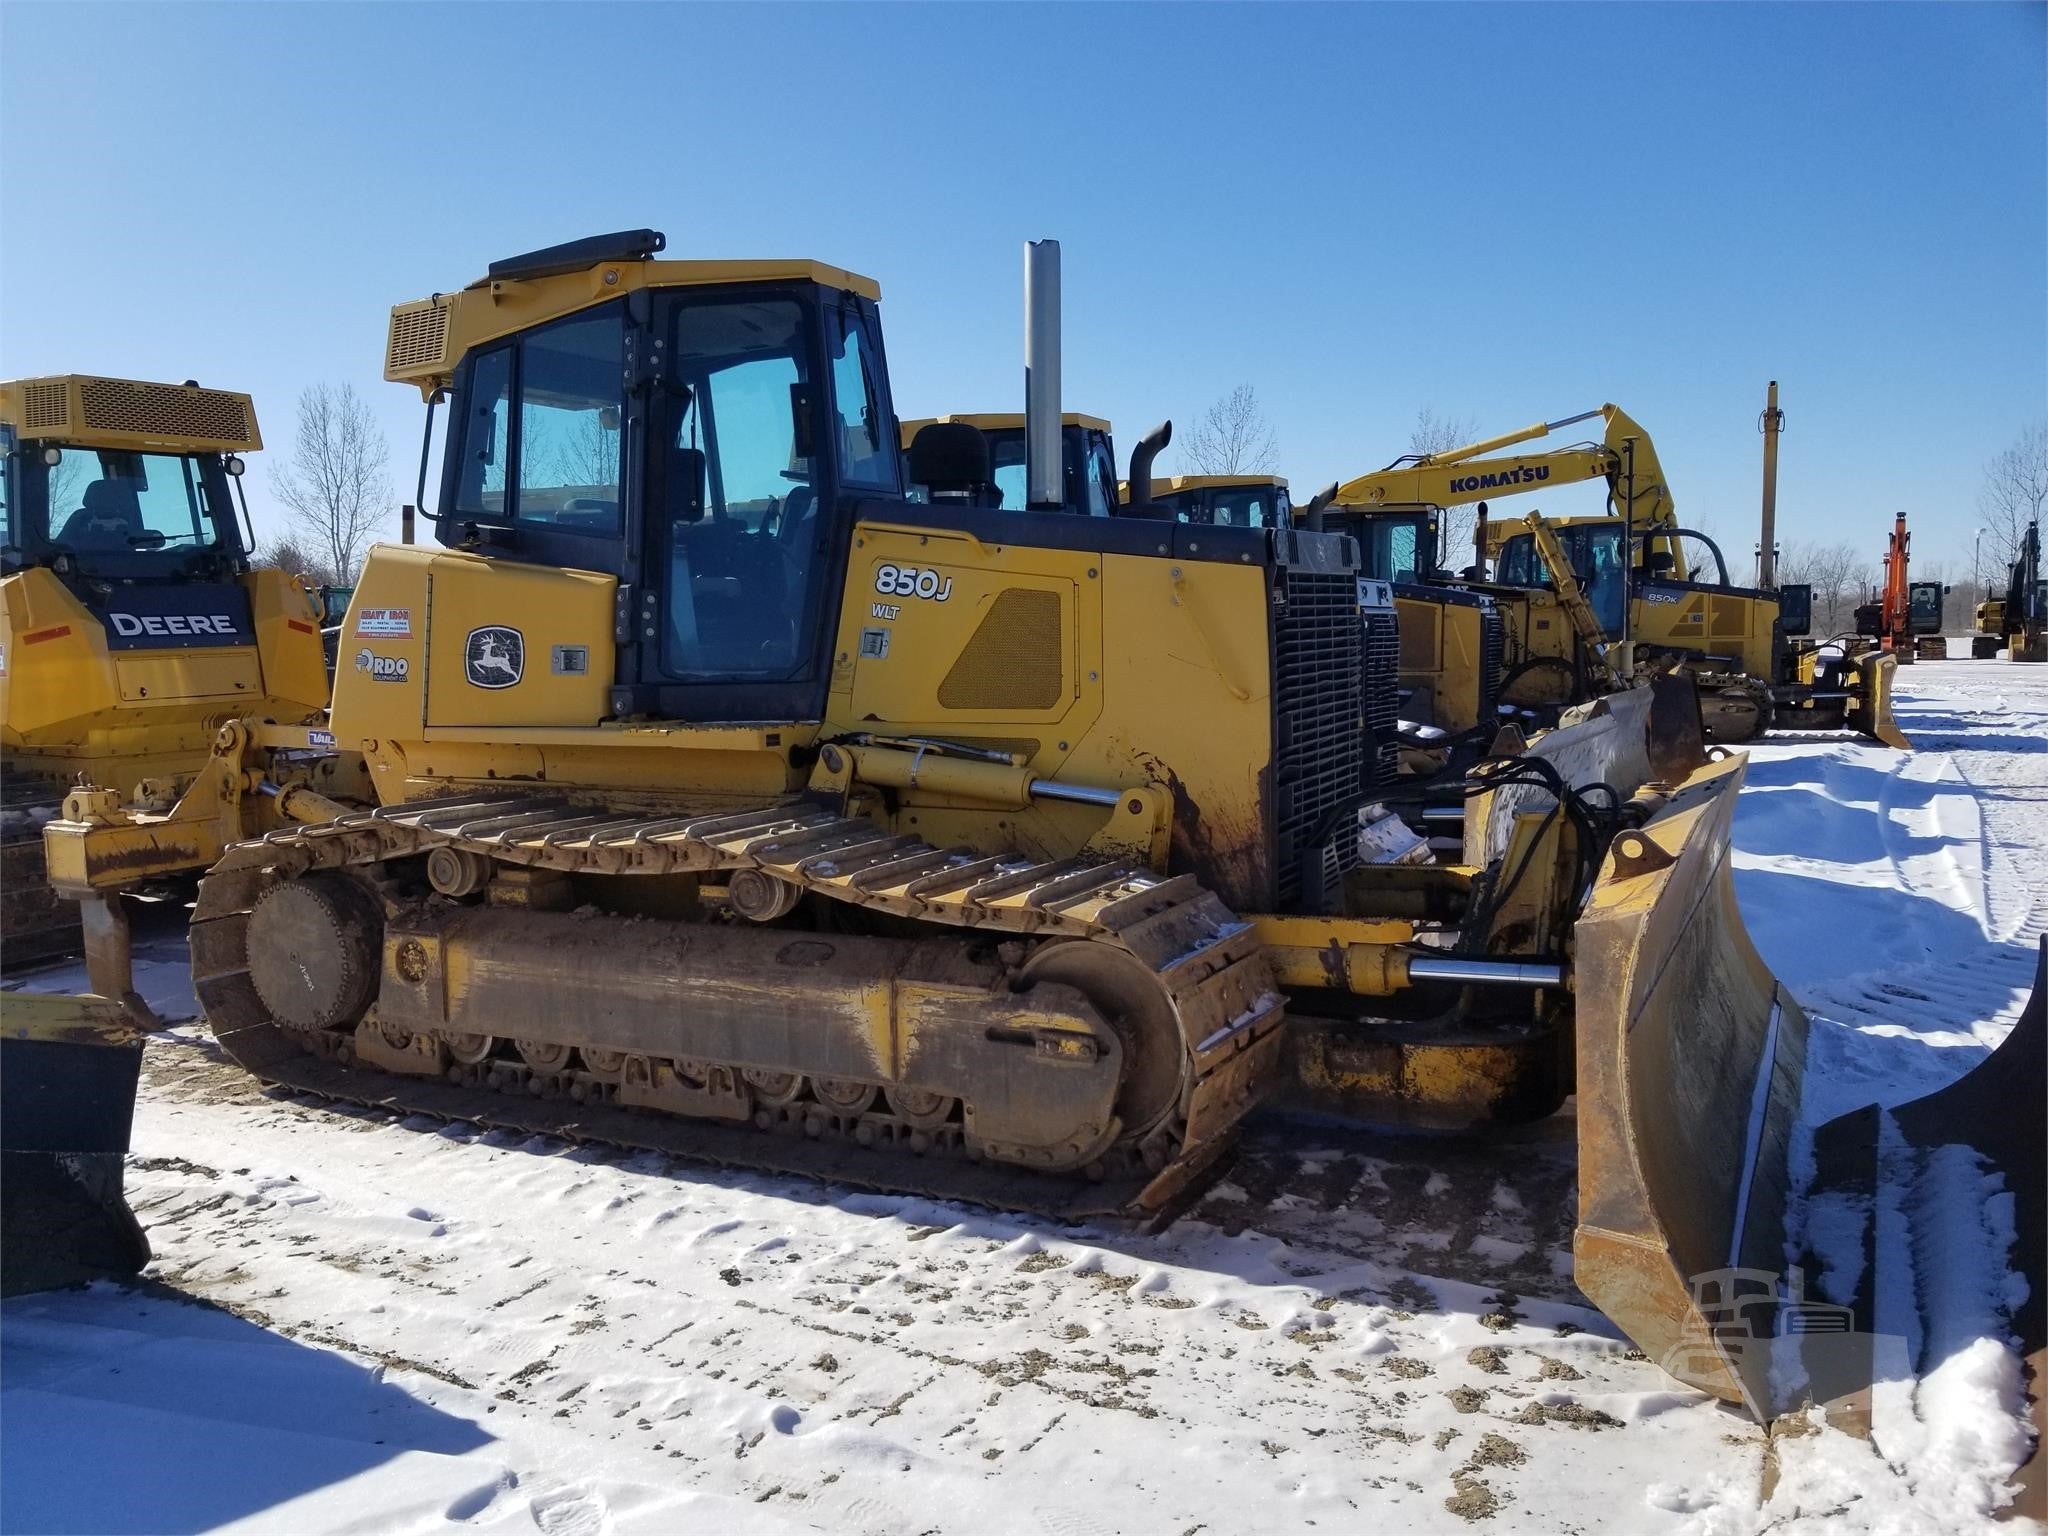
93 411
1000 421
1172 483
429 336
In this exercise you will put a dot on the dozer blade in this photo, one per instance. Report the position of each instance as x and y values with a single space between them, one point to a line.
1952 1147
1690 1059
1871 711
68 1068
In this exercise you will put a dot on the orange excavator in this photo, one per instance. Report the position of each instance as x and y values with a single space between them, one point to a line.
1906 618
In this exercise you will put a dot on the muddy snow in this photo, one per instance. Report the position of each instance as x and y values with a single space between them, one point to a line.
356 1322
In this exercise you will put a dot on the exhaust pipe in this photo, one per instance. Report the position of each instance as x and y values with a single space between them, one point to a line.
1147 448
1317 503
1045 476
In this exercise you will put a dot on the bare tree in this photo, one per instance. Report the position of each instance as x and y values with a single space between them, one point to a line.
338 481
287 554
1233 438
2015 493
1841 577
1434 434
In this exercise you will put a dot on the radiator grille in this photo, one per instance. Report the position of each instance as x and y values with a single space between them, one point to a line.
1012 660
1382 697
1317 682
167 411
418 341
1492 650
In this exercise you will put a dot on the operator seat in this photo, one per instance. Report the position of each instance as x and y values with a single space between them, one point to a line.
109 518
950 460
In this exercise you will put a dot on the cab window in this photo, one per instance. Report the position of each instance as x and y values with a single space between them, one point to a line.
486 436
540 422
1101 479
743 561
866 455
109 501
1246 508
571 405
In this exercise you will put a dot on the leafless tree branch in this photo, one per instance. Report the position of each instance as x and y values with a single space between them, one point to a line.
2015 493
1232 438
337 483
1434 434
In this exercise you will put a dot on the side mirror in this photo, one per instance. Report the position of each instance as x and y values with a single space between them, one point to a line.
684 485
802 443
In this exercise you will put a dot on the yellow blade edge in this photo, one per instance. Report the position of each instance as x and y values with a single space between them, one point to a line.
1690 1060
1875 674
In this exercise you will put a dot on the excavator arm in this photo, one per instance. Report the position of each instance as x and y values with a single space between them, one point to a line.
1625 458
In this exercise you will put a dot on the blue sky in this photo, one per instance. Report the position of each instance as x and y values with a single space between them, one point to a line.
1505 213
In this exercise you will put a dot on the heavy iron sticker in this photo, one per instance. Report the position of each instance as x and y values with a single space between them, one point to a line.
494 657
384 623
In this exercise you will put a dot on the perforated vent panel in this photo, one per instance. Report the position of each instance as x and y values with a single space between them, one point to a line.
1013 659
419 340
164 410
43 407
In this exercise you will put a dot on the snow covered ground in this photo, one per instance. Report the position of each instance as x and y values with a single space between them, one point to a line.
357 1323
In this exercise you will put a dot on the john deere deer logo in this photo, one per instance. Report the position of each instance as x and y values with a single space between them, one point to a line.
495 657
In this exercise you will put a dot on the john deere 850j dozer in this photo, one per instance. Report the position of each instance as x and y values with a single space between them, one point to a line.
735 805
131 624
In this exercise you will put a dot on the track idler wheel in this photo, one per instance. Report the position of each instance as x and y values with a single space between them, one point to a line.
315 949
1131 1002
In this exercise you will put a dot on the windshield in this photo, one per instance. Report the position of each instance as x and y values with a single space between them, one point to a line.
1395 548
1595 553
1249 506
101 502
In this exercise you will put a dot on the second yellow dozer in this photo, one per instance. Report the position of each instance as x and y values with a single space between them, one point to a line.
132 627
733 805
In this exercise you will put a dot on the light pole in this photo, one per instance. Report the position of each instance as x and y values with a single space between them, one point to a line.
1976 565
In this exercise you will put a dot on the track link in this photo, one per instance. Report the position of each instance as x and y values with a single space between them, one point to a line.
1205 962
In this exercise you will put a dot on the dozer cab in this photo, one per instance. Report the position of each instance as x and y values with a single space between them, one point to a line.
733 804
1453 636
1229 501
131 623
1088 482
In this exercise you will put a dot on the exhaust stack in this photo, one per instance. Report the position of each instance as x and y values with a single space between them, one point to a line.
1771 423
1045 477
1147 448
1317 506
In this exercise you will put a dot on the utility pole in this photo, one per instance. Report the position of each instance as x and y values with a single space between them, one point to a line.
1771 423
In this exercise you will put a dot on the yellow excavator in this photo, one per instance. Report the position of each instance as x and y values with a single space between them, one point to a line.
730 802
1661 589
131 623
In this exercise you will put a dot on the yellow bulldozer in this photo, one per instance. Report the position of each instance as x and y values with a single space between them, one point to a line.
729 802
132 626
